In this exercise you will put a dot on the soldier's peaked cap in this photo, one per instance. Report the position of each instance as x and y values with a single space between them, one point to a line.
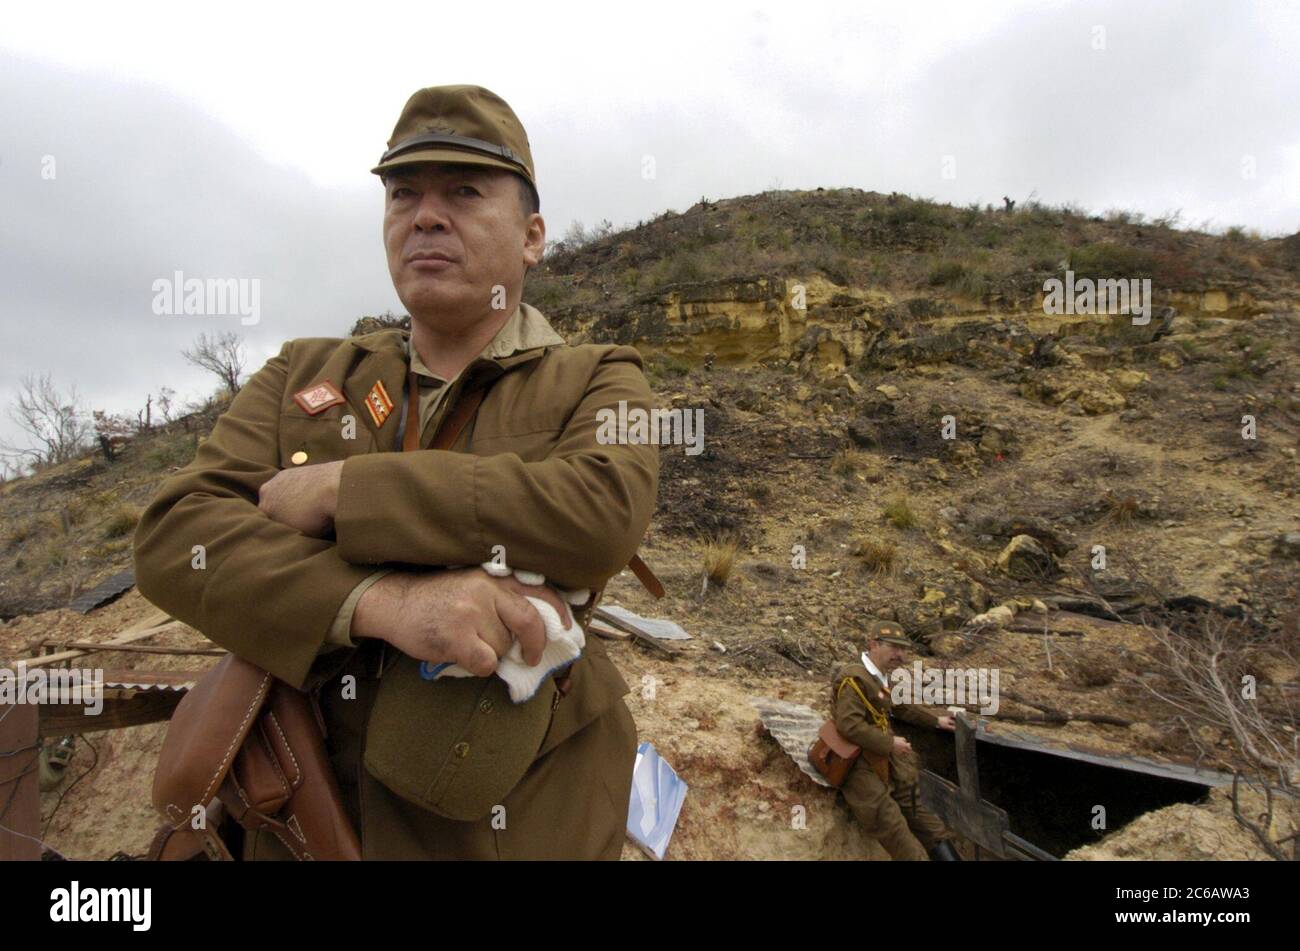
889 632
459 124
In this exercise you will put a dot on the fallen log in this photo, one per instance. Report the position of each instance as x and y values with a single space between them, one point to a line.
1054 715
1031 629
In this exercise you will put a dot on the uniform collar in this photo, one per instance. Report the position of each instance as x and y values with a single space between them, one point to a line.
525 330
874 670
385 359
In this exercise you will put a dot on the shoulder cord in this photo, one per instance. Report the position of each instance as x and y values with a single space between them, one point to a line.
881 719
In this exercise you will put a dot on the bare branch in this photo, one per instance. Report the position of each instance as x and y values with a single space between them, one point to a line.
52 421
221 355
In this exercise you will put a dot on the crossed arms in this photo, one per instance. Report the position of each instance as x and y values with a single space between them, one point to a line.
208 555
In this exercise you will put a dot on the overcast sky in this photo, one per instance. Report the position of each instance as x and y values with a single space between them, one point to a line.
137 140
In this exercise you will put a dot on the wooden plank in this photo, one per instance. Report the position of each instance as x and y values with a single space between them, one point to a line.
607 632
968 774
150 625
131 708
89 646
1183 772
20 790
181 680
641 636
1024 850
980 821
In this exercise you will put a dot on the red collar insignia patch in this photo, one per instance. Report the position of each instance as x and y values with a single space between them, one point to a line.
379 403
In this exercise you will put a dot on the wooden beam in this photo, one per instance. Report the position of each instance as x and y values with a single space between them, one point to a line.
20 790
140 648
121 709
151 625
968 774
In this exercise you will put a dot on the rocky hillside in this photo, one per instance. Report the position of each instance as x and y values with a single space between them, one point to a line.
894 427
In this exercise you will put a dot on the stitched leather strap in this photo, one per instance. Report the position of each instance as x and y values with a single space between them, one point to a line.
452 424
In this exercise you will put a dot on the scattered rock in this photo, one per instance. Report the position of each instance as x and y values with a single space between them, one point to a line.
864 433
1128 380
1026 558
1170 360
1288 545
1000 616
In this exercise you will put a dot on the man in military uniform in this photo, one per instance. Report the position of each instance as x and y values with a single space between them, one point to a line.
881 788
302 539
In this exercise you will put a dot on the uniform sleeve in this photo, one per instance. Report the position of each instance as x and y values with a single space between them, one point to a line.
856 725
577 516
340 634
915 713
208 556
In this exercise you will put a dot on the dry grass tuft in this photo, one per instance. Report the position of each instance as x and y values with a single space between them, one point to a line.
720 558
899 514
122 521
876 556
1123 511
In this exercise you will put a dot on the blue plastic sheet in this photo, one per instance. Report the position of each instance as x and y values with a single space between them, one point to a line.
657 797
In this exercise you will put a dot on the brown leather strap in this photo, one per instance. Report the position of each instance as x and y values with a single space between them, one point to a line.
452 424
646 576
411 432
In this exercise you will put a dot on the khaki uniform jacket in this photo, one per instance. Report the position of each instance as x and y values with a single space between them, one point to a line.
889 813
533 479
530 475
857 725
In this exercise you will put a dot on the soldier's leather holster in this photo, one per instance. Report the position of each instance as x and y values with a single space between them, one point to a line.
250 744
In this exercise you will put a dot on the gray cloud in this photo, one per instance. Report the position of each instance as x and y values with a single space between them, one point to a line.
148 183
144 186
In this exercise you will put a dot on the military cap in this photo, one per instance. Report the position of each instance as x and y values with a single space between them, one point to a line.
463 124
888 631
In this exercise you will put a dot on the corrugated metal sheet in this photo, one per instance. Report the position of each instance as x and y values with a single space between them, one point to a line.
108 589
794 727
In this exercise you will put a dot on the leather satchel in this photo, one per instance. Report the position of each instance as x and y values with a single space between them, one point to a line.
832 755
246 748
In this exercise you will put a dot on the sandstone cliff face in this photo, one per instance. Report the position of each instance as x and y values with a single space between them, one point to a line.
828 328
837 279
